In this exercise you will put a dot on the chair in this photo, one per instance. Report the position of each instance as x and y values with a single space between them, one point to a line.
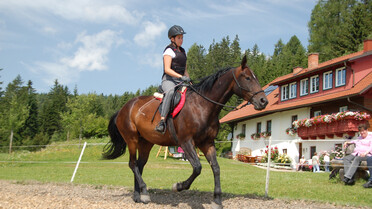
244 154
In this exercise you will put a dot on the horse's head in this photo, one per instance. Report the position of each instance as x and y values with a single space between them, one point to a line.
247 86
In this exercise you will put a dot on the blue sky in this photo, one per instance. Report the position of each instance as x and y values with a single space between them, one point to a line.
113 46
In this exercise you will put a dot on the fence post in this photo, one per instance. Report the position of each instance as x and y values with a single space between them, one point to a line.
78 162
268 168
11 141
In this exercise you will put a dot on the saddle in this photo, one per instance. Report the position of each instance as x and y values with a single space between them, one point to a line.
177 101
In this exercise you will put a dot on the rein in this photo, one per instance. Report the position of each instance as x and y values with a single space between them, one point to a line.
228 106
240 87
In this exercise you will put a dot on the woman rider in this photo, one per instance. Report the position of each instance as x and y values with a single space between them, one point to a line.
174 63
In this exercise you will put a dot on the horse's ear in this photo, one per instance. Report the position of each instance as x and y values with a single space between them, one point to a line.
244 61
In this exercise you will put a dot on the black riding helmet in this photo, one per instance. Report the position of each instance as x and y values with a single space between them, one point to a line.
175 30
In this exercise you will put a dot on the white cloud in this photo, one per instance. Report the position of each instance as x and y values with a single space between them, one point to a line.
155 60
236 8
51 71
151 30
49 30
91 55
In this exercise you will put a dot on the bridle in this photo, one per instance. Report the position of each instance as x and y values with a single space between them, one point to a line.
242 88
233 107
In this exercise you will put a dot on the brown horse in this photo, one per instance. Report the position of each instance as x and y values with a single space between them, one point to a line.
196 125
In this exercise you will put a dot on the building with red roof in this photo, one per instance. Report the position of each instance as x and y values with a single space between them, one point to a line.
332 87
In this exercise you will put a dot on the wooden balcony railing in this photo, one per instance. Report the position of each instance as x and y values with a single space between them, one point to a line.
330 125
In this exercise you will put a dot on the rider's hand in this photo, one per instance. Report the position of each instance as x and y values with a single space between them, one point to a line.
185 79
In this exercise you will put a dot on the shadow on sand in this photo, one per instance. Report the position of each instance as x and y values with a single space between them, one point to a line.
192 198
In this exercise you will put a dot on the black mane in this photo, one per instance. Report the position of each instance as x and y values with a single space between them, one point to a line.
206 83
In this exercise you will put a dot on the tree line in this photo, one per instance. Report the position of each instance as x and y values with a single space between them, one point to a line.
33 118
336 27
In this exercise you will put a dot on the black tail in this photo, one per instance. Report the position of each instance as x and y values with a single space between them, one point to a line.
116 147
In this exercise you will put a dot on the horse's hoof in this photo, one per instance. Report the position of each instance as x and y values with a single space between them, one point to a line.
136 197
145 198
216 206
174 187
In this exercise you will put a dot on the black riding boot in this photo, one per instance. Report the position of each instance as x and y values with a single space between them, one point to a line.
161 127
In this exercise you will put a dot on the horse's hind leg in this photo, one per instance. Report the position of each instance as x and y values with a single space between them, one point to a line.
209 151
144 148
141 195
193 158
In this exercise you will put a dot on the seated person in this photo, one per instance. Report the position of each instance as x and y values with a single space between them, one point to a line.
363 149
301 164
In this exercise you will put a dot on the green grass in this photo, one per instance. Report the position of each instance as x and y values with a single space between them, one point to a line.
57 163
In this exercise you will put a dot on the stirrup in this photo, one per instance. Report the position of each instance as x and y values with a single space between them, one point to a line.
161 127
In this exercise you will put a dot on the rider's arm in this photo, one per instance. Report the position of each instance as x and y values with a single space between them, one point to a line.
167 59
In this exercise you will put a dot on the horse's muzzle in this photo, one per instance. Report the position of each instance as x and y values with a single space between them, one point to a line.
260 103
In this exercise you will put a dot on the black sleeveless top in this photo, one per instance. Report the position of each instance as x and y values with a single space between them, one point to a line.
179 61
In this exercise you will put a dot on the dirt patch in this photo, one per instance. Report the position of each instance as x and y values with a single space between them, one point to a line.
53 195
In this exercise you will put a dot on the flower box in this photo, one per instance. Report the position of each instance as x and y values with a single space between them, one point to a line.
349 125
322 129
302 132
255 136
312 132
330 125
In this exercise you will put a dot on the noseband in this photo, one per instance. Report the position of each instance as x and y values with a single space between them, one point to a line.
242 88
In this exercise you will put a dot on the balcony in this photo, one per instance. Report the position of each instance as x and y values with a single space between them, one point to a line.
330 125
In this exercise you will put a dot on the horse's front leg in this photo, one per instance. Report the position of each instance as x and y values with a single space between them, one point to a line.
209 151
193 158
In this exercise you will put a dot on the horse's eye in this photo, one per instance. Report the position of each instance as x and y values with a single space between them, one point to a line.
248 78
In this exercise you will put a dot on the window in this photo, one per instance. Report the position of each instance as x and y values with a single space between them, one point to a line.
340 77
284 151
268 126
314 84
258 128
343 108
317 113
285 92
327 80
292 90
312 151
294 118
304 87
243 129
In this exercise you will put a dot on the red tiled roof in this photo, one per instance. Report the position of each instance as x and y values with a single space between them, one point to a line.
247 112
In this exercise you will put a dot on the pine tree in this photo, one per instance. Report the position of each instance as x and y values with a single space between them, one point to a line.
53 107
294 55
15 112
31 126
285 58
196 63
338 27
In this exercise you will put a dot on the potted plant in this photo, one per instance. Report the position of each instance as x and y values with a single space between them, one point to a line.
241 136
291 131
266 134
256 136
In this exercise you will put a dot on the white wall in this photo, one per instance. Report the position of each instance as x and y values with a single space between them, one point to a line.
280 121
